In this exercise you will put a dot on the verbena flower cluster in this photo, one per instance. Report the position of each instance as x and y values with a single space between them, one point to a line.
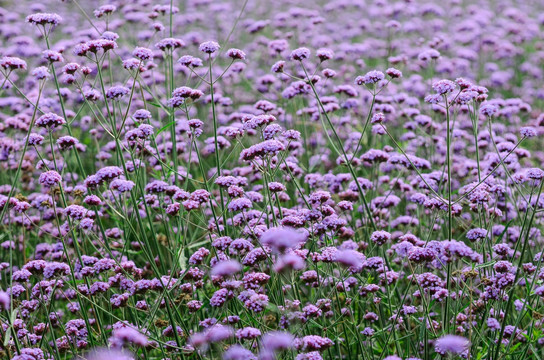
272 180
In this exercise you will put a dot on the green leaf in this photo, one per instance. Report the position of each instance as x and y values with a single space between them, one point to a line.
7 336
166 127
182 259
160 106
503 232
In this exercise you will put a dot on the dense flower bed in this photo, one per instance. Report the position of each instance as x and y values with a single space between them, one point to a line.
271 180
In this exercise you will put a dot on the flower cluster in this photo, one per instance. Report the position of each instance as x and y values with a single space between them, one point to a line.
343 180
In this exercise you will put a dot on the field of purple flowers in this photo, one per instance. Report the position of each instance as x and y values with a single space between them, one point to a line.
253 179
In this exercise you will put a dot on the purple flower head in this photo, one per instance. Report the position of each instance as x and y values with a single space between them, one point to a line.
528 131
433 98
256 302
141 115
170 44
110 35
108 173
431 54
393 73
121 185
188 60
226 268
128 336
380 237
240 204
371 77
443 87
209 47
313 343
50 120
41 73
476 234
86 224
452 344
300 54
117 92
104 10
278 66
142 53
109 354
377 118
50 178
218 333
488 110
237 352
535 173
66 142
12 63
5 300
95 46
324 54
76 212
236 54
282 238
52 56
493 324
35 139
277 341
44 19
248 333
419 254
312 355
289 262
